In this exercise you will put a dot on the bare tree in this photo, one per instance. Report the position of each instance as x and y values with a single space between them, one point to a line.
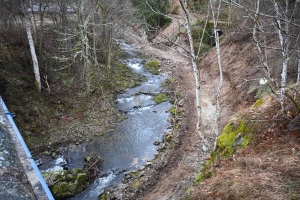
270 18
215 5
194 58
36 68
89 36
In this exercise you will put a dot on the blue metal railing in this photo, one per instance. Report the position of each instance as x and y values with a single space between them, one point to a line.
28 154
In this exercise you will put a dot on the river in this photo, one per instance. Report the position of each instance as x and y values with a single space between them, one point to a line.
131 145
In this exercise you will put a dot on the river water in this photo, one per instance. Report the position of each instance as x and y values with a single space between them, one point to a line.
131 145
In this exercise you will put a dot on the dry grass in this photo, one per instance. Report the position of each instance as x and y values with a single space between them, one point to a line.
269 168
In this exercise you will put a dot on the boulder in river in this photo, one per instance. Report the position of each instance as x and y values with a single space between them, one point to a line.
66 183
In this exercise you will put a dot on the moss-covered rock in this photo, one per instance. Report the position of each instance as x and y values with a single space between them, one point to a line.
153 66
104 196
235 135
233 138
160 98
66 183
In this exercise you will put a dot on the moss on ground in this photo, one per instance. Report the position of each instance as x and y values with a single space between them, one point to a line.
232 138
160 98
153 66
258 103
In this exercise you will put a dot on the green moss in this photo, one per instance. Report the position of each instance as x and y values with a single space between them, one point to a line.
66 183
59 190
258 103
233 138
205 175
176 111
207 169
103 196
213 157
153 66
81 178
173 110
160 98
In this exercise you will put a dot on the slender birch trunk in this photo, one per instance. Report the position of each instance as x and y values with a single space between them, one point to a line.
258 47
298 77
196 74
283 44
33 22
33 56
217 40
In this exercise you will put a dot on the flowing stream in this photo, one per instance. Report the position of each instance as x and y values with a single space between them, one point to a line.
131 145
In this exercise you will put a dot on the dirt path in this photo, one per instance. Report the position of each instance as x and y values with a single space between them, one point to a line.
174 173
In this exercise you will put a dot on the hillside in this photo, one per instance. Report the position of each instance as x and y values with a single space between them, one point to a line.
254 148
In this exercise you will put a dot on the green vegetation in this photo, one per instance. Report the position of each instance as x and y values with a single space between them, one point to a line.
66 183
119 78
258 103
103 196
232 138
160 98
153 66
175 110
208 39
153 20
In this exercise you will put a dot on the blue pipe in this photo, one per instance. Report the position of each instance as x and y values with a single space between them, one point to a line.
28 154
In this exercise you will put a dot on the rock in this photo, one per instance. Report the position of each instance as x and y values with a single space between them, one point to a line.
181 102
104 174
66 183
238 141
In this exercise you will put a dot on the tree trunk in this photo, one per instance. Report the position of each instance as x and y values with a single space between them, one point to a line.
217 41
298 77
196 74
42 15
283 44
33 56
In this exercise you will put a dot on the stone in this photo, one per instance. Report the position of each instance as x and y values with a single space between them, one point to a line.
66 183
